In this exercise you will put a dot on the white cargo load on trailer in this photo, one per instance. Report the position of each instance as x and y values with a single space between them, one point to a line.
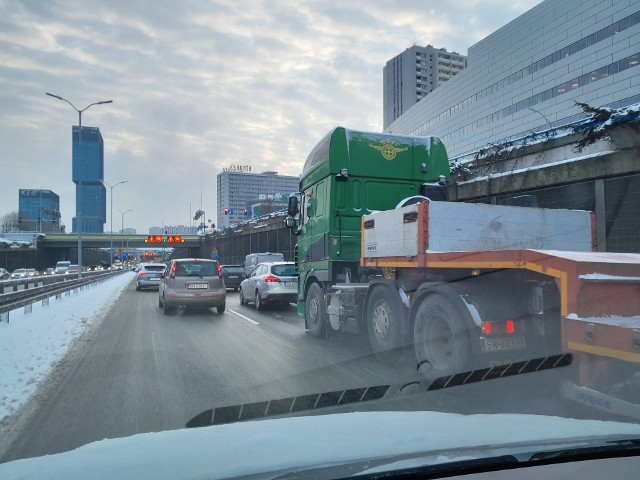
472 227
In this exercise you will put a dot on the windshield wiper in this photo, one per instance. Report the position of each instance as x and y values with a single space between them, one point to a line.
608 449
283 406
501 371
304 403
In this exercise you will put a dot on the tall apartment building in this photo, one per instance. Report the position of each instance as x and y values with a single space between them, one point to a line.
38 210
88 171
416 72
528 75
238 189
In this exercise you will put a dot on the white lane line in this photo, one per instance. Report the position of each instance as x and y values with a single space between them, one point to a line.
243 317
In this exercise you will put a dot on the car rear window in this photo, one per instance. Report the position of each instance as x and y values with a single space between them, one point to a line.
233 270
284 270
197 269
155 268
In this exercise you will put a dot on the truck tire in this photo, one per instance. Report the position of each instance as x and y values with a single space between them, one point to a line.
384 324
440 338
315 311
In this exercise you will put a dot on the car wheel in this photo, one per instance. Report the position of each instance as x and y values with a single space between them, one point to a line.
242 300
220 309
167 310
159 301
259 303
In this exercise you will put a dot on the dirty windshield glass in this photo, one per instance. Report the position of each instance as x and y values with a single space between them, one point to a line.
319 239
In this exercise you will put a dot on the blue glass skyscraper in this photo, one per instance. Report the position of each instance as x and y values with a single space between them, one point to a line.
37 210
88 171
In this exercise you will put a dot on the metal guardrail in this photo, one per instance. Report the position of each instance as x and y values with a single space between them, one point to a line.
52 287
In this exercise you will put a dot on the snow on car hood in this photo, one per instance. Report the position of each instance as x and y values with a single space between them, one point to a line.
284 444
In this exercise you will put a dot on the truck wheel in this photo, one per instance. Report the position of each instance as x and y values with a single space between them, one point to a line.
315 311
440 337
384 324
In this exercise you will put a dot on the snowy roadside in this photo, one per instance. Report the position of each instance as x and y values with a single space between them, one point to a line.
31 344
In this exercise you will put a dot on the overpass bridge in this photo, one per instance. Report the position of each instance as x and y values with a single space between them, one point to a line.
31 249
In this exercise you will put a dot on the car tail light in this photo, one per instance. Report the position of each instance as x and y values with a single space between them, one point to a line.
172 274
143 274
272 279
486 328
219 271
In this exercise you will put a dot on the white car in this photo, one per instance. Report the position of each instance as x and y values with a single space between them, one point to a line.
275 282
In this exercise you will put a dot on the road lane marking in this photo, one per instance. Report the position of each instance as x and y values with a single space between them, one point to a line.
244 317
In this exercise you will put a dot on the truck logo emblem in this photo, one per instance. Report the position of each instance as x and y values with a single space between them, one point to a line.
388 150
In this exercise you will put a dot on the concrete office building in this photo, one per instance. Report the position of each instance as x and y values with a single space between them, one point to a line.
88 171
238 189
416 72
528 75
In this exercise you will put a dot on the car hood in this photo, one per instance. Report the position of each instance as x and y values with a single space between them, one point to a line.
275 447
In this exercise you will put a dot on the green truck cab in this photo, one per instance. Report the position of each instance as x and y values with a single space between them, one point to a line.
347 175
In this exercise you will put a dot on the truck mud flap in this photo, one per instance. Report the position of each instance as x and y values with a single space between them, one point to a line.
600 401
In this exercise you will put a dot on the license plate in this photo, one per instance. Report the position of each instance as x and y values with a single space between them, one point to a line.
500 344
198 285
290 284
233 276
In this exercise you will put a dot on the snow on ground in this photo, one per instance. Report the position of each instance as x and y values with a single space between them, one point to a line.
32 343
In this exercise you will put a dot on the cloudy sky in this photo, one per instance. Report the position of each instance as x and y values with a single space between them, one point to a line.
199 85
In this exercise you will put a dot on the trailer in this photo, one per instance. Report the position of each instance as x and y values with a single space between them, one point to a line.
458 286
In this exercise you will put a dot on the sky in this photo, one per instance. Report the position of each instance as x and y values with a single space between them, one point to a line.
201 85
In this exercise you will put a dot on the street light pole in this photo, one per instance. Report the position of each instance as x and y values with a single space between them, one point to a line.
111 187
122 226
79 210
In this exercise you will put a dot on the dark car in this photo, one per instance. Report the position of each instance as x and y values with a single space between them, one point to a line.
233 275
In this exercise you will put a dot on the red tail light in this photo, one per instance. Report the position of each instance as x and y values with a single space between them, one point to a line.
143 274
219 271
271 279
172 274
486 328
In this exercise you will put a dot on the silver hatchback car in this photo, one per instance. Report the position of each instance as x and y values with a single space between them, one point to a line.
192 282
275 282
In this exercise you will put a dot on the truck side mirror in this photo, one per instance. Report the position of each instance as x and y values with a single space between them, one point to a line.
290 222
294 204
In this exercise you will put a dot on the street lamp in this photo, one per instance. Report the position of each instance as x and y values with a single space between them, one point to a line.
111 187
122 226
78 210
